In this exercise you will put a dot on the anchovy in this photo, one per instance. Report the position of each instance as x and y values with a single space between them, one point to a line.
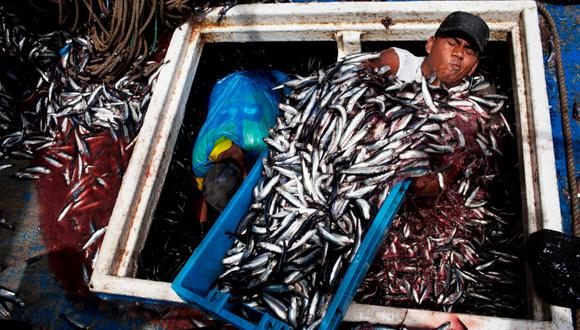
64 212
482 101
38 169
360 57
11 296
336 239
279 309
480 110
94 236
506 124
268 187
427 96
26 175
460 138
5 166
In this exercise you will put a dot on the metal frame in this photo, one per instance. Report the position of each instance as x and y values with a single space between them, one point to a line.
348 24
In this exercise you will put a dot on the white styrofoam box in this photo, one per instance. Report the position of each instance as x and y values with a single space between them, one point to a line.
349 24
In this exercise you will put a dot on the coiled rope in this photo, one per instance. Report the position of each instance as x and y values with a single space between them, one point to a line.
118 30
570 166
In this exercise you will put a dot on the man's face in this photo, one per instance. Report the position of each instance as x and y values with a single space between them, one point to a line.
451 58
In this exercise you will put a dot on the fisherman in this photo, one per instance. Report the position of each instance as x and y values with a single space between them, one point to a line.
242 108
452 55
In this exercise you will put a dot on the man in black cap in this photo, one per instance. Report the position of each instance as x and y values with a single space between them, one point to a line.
452 53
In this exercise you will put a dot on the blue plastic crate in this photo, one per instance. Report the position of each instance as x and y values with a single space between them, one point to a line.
196 282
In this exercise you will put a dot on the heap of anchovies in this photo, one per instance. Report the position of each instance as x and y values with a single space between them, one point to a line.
456 257
57 124
462 254
66 108
343 138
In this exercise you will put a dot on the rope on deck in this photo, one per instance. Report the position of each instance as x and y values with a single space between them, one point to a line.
570 167
117 30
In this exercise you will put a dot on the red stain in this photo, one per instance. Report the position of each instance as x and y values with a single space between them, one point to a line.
64 240
92 204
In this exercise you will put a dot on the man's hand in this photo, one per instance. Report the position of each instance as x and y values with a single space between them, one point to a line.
429 185
426 186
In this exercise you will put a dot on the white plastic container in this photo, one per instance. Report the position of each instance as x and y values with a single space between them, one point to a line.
515 22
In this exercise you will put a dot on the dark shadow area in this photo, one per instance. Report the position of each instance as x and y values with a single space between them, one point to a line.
37 16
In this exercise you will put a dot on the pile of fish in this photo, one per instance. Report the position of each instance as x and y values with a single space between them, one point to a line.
66 126
461 249
63 107
64 114
344 137
463 254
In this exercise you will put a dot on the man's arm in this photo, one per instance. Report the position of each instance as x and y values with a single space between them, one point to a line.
428 185
446 168
388 57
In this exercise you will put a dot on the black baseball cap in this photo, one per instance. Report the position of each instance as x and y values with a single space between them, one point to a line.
221 183
466 24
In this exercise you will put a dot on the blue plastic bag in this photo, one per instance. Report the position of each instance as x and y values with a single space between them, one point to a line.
242 107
